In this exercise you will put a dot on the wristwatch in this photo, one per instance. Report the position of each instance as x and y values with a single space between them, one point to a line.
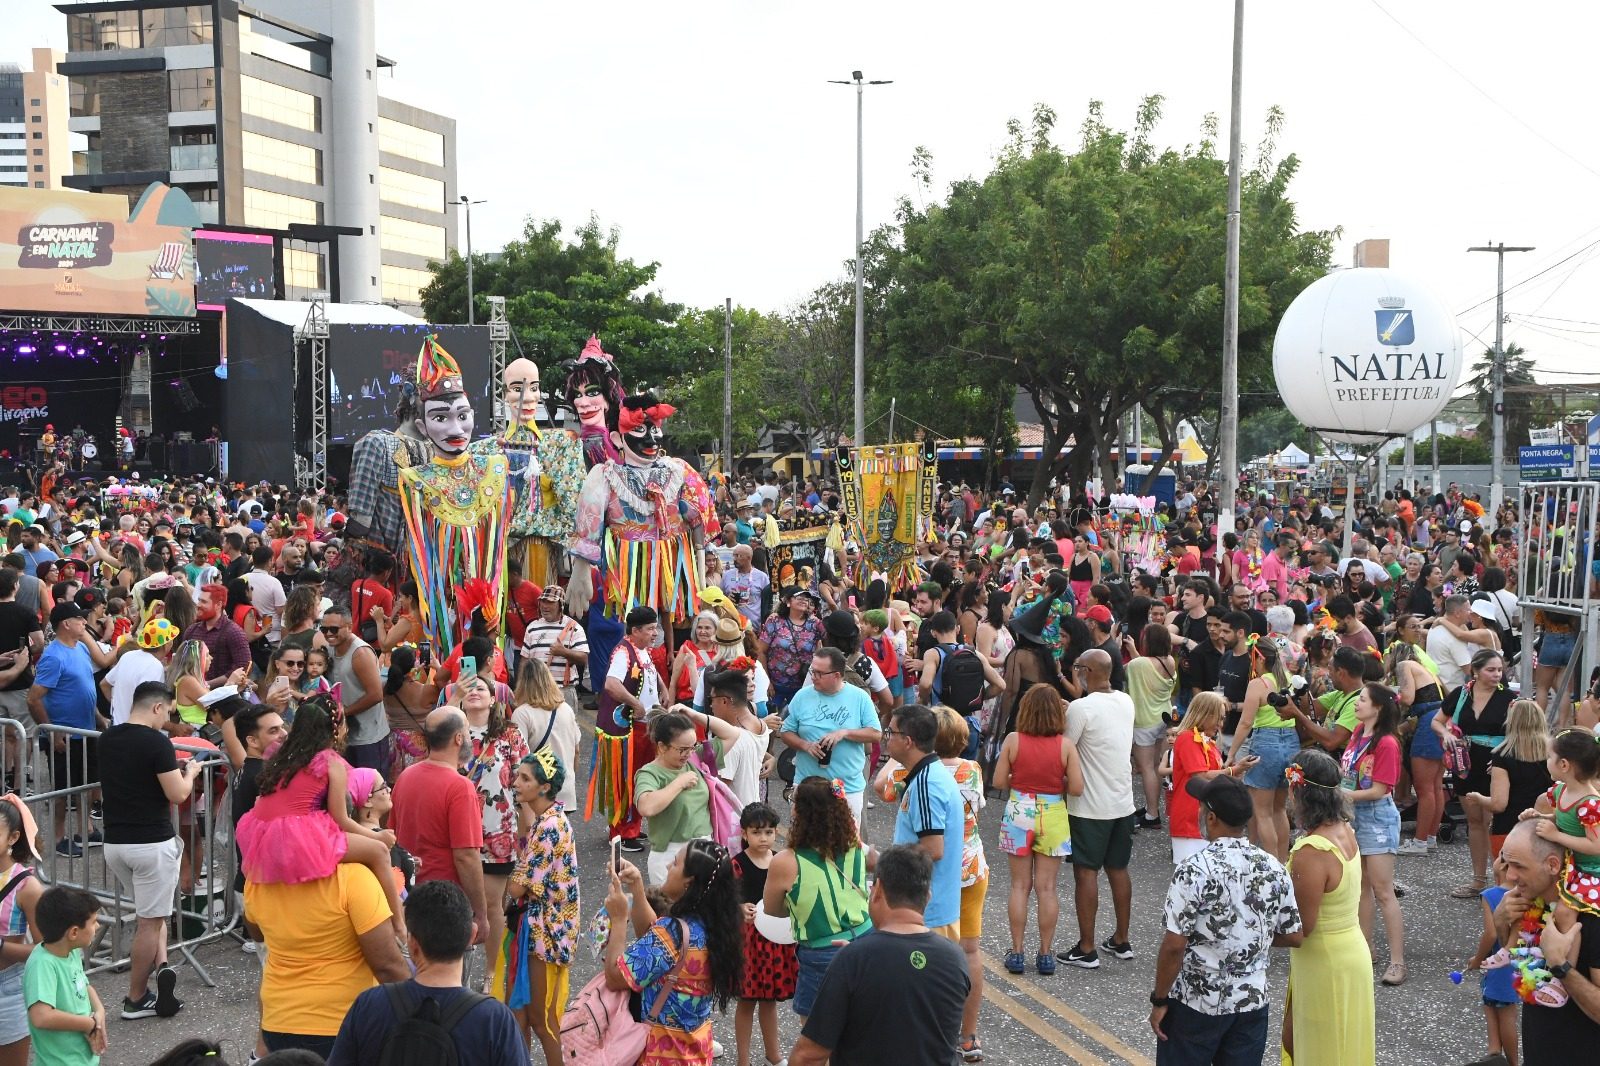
1160 1001
1560 971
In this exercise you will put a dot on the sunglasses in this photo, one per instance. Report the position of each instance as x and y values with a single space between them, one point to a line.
331 631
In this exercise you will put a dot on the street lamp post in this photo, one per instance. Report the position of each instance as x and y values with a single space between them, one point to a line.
861 321
467 206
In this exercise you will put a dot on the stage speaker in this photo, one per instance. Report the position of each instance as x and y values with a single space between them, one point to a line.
187 400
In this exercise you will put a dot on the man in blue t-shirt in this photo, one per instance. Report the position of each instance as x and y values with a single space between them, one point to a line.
931 814
829 726
63 694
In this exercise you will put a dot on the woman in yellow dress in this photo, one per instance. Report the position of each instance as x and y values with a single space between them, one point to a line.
1329 1016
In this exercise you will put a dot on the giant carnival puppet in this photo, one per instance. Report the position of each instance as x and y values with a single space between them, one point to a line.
546 469
593 389
642 521
457 507
375 463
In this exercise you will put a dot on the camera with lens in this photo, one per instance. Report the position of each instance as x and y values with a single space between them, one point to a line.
1297 687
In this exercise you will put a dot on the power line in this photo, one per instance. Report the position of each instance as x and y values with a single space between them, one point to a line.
1531 277
1484 92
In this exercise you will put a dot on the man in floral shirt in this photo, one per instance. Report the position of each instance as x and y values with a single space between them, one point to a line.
1227 905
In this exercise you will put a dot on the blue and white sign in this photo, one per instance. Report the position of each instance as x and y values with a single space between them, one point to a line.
1548 462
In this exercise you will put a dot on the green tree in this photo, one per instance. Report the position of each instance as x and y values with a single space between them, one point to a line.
1092 280
559 291
1268 432
697 389
1455 451
1523 410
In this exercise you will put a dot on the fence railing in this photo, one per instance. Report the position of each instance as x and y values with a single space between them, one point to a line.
56 772
1556 574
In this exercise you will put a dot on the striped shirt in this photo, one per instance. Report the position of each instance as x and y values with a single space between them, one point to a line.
538 637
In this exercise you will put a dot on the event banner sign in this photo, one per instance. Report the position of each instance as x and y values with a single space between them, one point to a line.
888 493
68 252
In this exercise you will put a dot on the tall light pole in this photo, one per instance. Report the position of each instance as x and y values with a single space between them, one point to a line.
861 320
1228 432
466 205
1497 376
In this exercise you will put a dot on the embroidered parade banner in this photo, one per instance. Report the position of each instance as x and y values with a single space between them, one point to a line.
888 494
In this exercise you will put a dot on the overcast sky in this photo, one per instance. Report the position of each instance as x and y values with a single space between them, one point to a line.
707 133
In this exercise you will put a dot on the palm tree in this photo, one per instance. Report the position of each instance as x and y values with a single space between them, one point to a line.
1521 409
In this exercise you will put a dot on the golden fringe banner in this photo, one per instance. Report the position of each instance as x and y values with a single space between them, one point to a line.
888 493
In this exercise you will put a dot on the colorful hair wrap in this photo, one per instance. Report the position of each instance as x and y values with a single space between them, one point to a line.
838 787
1295 774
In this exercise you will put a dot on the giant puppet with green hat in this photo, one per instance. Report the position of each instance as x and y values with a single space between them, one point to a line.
456 507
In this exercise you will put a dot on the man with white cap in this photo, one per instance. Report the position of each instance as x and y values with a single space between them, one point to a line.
559 642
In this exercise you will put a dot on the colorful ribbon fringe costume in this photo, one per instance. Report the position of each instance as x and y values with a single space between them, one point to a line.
456 512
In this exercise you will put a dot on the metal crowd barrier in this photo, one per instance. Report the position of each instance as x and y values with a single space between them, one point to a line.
206 907
1555 574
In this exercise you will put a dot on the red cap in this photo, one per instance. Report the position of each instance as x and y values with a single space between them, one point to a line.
1099 613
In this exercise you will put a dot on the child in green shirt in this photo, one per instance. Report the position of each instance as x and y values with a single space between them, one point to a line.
65 1017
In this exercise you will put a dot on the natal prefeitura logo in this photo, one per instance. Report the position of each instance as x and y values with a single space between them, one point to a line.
1396 328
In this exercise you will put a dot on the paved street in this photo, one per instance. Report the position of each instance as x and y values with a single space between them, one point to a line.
1075 1016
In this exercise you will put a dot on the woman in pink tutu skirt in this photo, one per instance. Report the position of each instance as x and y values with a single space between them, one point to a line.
294 834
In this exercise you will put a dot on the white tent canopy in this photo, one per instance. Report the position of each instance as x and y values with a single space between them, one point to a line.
1293 456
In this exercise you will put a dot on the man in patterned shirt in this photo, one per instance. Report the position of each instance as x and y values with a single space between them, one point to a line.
1227 905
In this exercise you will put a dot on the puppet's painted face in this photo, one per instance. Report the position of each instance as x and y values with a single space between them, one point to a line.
520 391
447 423
591 404
642 444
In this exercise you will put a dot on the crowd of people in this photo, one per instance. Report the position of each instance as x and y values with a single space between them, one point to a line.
1277 707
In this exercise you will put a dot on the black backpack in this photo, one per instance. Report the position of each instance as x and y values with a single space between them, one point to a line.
858 671
421 1035
961 680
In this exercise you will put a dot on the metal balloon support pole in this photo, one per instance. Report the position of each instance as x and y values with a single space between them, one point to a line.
1362 455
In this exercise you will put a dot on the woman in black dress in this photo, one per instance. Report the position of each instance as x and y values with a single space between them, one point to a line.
1479 711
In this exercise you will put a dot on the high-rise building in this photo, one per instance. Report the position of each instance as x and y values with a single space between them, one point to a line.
270 115
34 152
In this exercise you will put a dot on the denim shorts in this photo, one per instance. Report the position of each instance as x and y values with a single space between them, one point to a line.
13 1011
1276 748
1378 826
1556 649
1425 743
813 964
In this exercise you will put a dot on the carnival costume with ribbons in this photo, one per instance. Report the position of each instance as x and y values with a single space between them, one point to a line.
456 511
639 527
545 469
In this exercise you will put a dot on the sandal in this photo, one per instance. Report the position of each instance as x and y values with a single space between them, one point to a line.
1471 890
1395 975
970 1050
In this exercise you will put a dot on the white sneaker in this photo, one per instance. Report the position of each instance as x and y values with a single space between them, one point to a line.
1413 847
1433 842
716 1050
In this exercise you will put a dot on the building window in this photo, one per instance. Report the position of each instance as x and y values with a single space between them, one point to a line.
413 142
279 103
414 238
282 159
36 118
38 136
404 284
38 168
303 270
260 37
38 151
169 27
83 94
411 190
192 90
103 31
276 210
35 102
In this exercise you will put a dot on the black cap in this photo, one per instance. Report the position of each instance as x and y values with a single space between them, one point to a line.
1225 796
63 612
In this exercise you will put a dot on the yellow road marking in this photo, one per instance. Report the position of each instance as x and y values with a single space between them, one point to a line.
1071 1049
1093 1031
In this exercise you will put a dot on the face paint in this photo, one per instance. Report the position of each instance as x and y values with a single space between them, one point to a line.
643 444
448 424
591 405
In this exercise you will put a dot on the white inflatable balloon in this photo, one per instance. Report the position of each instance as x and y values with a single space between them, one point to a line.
1366 354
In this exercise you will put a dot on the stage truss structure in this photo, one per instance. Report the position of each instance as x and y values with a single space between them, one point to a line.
312 475
113 324
499 333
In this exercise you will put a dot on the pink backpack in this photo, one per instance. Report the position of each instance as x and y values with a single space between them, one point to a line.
723 804
598 1027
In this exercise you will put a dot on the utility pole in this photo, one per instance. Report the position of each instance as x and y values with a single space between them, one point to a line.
466 206
1497 375
861 320
1433 438
727 388
1229 430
